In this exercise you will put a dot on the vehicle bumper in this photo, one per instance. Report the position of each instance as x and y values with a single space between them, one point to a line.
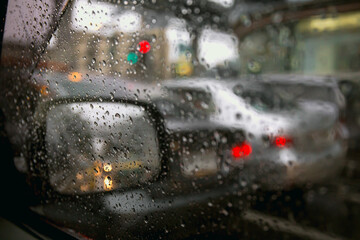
286 167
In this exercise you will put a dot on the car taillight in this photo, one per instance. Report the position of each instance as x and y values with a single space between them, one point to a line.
241 151
282 141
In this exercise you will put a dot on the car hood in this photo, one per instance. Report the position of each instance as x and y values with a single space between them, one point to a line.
94 86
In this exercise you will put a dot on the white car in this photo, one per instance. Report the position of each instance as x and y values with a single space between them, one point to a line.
284 142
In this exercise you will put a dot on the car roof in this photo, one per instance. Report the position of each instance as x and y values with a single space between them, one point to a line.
348 76
311 80
193 83
307 80
207 84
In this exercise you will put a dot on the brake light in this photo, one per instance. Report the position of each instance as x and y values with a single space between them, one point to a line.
241 151
282 141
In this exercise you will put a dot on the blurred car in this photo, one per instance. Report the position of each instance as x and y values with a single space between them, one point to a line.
284 142
321 89
93 152
313 90
96 160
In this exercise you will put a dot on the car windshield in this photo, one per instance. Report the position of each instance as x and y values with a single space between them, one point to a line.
181 119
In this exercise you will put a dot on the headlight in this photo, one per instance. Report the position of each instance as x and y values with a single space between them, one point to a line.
93 147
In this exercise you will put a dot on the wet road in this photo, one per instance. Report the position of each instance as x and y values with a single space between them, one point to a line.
329 211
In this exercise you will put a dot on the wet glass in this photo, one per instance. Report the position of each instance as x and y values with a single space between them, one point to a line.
111 154
188 119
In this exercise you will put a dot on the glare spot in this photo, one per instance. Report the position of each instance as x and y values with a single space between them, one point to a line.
108 183
75 77
107 167
97 171
44 90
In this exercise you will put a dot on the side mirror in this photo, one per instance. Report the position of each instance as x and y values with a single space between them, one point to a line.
98 146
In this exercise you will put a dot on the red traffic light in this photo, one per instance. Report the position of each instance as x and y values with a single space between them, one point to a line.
144 46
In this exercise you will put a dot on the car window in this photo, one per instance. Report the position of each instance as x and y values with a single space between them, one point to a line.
310 92
186 119
264 100
194 104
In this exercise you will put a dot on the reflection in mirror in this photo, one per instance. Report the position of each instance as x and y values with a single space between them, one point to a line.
94 147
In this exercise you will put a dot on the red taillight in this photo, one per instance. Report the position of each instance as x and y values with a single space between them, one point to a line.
241 151
282 141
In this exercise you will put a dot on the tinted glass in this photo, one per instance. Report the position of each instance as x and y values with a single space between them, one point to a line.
183 119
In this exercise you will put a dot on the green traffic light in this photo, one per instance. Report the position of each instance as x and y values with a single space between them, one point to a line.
132 58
